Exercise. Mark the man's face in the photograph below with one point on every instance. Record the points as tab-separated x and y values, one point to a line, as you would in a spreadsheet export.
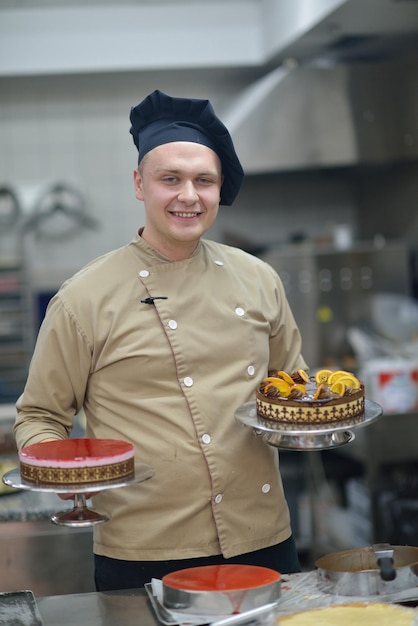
180	185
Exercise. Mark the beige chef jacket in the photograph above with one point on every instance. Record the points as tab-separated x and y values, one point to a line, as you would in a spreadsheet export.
168	376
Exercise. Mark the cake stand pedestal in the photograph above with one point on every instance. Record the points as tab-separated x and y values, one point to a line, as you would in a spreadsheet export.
307	436
80	515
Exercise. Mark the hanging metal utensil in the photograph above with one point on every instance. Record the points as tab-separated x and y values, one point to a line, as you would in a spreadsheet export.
59	213
10	210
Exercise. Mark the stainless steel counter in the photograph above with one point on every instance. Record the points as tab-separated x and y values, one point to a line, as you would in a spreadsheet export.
116	608
132	607
33	552
33	549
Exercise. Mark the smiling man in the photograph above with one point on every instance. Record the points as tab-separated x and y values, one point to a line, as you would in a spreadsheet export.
159	342
180	185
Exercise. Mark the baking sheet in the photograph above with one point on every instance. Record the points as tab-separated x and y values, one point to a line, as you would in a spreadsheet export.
19	608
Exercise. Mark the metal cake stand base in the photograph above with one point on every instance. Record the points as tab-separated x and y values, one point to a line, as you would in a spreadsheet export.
307	436
80	515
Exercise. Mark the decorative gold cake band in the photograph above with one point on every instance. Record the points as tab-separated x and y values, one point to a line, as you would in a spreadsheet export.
71	476
314	414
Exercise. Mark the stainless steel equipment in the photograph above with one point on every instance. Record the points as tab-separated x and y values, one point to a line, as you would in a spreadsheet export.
326	115
329	290
46	559
364	571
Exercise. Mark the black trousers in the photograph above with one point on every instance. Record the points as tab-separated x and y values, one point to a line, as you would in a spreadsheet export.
111	574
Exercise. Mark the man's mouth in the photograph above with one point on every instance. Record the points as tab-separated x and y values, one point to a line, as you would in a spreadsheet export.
185	215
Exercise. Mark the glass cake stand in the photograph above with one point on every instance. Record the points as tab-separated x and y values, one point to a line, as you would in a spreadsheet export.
80	515
307	436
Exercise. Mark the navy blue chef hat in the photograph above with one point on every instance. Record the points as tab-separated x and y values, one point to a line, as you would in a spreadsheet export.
160	119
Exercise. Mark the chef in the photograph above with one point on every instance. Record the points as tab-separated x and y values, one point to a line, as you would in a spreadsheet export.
159	342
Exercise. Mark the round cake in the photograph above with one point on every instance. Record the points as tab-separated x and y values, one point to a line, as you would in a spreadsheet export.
296	398
76	461
220	589
353	614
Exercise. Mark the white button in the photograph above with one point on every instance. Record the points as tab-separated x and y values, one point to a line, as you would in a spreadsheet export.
218	498
265	488
251	370
172	324
206	438
218	262
239	311
143	273
188	381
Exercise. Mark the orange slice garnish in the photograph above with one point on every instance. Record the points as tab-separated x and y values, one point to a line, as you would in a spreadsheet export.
304	375
285	377
300	388
278	383
322	376
350	381
347	377
318	392
335	376
297	391
339	388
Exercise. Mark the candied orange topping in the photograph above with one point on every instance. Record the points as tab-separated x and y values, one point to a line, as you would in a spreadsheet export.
322	376
279	384
318	392
339	388
285	377
304	375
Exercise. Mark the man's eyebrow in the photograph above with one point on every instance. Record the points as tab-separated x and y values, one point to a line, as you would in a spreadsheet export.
175	170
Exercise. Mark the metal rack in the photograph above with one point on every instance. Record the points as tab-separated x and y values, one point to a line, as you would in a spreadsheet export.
15	329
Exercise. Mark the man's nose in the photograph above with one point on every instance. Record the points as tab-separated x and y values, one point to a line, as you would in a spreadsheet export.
188	192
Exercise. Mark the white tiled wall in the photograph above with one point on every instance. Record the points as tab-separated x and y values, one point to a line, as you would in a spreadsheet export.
76	129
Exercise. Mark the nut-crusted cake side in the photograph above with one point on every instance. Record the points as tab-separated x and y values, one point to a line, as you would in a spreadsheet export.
301	399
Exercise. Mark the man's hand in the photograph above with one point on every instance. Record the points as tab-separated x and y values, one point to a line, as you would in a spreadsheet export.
70	496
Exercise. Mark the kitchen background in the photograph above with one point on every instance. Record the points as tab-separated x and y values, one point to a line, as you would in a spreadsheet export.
321	99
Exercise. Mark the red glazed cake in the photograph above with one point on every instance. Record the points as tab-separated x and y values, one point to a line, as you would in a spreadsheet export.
76	461
220	589
221	578
298	398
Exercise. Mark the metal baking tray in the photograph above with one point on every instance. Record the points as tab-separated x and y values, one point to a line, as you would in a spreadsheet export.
19	608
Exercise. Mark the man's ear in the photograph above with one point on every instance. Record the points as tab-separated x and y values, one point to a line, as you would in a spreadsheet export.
138	185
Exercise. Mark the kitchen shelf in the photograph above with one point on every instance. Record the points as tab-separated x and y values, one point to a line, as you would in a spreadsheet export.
16	334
